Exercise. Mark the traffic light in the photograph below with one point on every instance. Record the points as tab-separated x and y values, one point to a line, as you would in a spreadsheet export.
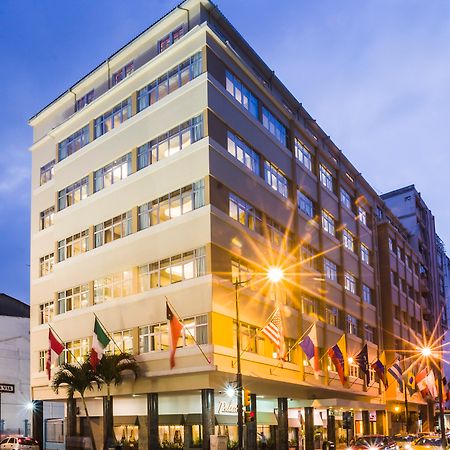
249	416
246	397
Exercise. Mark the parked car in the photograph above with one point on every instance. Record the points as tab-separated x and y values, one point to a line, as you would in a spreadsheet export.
18	443
404	441
373	442
429	442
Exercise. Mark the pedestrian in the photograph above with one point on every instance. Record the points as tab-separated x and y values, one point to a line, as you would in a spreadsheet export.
263	441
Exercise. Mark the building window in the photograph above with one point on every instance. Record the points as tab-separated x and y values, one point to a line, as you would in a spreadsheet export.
240	272
172	205
46	264
310	306
73	194
46	312
73	298
121	342
348	240
113	172
365	254
330	269
366	294
169	82
243	153
275	178
243	95
346	200
42	360
274	126
54	430
112	118
172	270
379	213
122	73
75	351
369	334
112	286
112	229
326	178
328	223
308	256
244	213
352	325
394	278
305	204
332	316
353	370
277	234
170	39
170	143
391	244
251	339
85	100
362	215
303	154
73	245
46	218
73	143
350	282
47	172
409	261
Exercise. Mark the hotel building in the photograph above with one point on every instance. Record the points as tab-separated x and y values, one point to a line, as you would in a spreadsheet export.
177	167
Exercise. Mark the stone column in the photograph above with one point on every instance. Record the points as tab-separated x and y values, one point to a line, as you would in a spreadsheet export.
365	422
208	417
152	421
309	428
108	423
331	427
283	443
38	422
251	426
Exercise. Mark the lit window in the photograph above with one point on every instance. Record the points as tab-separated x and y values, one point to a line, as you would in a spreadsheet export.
46	312
73	194
73	143
113	172
366	294
121	342
362	215
170	39
116	228
46	218
348	240
85	100
352	325
73	298
346	200
303	154
243	153
365	254
243	95
369	333
330	269
326	178
73	245
275	178
350	282
112	118
332	316
244	213
328	223
115	285
46	264
47	172
274	126
305	204
122	73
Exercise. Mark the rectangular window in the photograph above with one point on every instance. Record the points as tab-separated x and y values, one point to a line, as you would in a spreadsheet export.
85	100
243	153
117	285
409	261
350	282
73	246
112	118
332	316
352	325
251	339
170	39
275	178
73	143
303	154
122	341
169	82
42	360
46	312
122	73
46	218
274	126
243	95
277	234
365	254
112	229
171	205
353	370
112	172
305	204
369	333
75	351
362	215
47	172
391	244
308	256
244	213
346	200
73	298
348	240
330	269
394	278
46	264
328	223
73	194
366	294
54	430
326	178
170	143
241	272
310	306
172	270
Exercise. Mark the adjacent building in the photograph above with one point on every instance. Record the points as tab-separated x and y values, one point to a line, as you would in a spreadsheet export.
180	170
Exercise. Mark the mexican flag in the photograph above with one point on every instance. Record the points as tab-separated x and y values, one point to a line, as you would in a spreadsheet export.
100	340
55	348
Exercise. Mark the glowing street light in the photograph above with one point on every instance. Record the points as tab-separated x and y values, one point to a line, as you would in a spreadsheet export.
275	274
426	352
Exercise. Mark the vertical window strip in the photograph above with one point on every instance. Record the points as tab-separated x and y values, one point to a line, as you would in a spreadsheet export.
275	178
330	269
243	153
303	154
328	223
46	218
47	172
242	95
46	264
46	312
326	178
73	143
305	204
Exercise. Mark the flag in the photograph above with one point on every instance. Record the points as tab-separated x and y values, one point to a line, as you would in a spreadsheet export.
445	390
274	331
362	359
310	346
431	384
55	348
380	369
421	382
338	356
397	373
411	382
100	340
175	328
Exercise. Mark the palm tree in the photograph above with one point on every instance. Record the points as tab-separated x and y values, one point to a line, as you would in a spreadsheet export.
111	369
77	378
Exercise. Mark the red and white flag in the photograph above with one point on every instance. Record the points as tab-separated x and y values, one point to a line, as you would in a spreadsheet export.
421	382
55	348
175	328
274	331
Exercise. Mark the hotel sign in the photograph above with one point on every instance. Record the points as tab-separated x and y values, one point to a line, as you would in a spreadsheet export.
8	388
227	407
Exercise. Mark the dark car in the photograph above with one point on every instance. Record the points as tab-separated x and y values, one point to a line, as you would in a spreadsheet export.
373	442
404	441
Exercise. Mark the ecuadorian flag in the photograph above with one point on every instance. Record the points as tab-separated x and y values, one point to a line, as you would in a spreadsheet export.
338	355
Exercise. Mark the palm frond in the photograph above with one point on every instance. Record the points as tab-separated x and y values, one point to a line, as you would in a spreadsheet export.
75	378
112	367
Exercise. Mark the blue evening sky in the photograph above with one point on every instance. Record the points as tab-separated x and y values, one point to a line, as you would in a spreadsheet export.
375	74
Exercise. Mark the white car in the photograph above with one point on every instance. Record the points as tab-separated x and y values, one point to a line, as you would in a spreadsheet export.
19	443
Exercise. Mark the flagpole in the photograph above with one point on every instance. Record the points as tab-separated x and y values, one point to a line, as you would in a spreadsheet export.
406	400
65	346
187	329
108	333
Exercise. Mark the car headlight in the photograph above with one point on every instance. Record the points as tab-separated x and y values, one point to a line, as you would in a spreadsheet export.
407	447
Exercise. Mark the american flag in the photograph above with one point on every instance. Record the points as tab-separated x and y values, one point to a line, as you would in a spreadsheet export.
274	331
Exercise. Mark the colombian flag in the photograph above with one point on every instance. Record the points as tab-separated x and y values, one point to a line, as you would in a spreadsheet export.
338	355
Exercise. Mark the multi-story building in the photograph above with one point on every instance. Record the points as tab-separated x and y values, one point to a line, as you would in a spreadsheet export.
180	170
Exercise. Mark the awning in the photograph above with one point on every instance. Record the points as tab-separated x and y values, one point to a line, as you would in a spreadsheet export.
171	419
125	420
226	419
266	418
193	419
293	423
